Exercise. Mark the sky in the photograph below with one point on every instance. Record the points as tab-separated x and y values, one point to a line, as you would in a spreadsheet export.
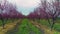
26	6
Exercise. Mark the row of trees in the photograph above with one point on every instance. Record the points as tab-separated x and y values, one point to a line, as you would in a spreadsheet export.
47	10
8	11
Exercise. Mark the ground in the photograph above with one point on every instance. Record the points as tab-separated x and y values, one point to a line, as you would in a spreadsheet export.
28	26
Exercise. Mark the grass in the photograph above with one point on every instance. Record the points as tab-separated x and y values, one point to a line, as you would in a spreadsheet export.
8	21
27	28
56	25
0	22
43	22
56	28
8	27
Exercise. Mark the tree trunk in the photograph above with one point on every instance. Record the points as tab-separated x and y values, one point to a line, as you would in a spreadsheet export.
3	23
48	20
52	25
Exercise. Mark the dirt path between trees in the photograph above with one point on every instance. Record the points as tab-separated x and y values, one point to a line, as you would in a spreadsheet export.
8	26
44	28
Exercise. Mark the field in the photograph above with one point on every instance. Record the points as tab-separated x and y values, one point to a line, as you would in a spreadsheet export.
28	26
